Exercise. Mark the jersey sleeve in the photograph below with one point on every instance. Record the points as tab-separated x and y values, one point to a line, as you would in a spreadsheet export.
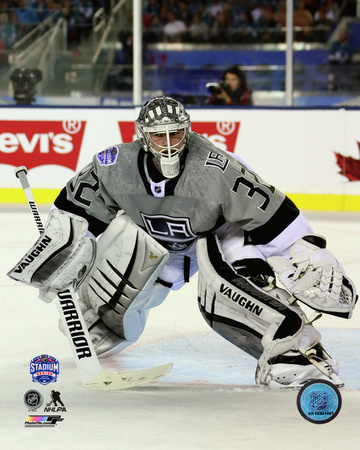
262	211
86	196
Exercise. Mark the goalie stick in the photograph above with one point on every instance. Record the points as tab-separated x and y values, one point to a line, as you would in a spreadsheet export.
91	373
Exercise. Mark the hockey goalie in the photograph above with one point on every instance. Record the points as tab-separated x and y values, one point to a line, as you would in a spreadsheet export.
143	217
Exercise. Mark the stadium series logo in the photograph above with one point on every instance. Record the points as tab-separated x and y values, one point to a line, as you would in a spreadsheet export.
108	157
319	401
44	369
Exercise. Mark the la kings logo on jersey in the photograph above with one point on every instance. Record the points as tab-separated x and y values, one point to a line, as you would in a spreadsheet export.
175	233
217	160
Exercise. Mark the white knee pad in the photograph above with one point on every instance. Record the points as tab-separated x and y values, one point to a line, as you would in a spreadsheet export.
106	342
122	279
135	317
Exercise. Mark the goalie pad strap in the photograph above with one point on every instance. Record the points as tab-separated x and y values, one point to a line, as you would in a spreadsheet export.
231	299
315	239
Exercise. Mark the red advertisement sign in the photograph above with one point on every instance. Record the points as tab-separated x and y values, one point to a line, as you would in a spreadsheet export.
350	167
36	143
222	134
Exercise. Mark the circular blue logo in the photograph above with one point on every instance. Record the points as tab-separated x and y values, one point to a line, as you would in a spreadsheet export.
319	401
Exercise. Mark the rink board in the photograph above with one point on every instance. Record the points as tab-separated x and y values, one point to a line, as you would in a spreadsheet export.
293	149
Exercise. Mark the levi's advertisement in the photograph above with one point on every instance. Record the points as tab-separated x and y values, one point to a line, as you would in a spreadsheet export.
320	157
36	143
222	134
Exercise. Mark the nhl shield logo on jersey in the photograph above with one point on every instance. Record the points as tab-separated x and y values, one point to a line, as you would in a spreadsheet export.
44	369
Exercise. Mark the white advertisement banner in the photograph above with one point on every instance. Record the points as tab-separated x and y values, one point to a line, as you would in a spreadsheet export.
299	151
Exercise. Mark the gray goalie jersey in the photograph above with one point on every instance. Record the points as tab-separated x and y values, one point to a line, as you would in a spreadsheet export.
213	187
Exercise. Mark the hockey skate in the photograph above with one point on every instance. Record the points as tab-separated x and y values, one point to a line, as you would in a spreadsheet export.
295	368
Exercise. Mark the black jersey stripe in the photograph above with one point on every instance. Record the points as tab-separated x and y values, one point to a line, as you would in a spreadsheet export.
96	226
141	162
283	217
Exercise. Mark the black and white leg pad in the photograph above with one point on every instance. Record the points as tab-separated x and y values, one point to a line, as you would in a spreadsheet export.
261	323
122	279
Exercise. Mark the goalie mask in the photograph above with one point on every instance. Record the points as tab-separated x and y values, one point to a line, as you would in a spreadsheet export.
163	128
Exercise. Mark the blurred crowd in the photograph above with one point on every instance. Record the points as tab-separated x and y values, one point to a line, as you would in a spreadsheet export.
193	21
18	17
237	21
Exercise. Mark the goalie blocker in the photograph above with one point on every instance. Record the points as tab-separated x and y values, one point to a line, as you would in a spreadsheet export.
62	256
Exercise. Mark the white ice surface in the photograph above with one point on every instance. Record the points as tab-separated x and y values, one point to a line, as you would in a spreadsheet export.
208	401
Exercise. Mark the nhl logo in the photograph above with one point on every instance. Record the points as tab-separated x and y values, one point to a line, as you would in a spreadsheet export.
44	369
33	399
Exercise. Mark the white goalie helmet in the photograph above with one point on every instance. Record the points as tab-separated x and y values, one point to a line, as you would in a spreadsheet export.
163	128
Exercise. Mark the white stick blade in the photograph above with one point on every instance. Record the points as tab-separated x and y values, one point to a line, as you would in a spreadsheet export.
111	381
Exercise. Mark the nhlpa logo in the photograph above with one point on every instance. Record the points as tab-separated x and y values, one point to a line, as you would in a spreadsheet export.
44	369
55	404
37	143
221	134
